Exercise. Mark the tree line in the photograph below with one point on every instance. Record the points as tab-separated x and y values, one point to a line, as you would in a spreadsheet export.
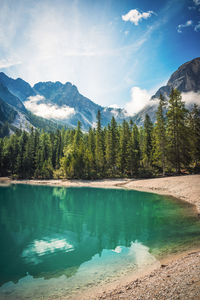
171	145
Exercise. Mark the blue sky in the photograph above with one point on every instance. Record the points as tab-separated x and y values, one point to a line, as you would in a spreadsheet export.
112	50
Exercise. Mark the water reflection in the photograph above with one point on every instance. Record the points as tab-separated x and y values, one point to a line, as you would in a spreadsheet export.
101	268
84	233
42	247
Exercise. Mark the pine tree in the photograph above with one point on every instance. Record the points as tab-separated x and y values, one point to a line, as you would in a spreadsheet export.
44	167
123	150
177	133
78	137
130	159
99	153
108	152
57	149
29	155
147	147
114	144
91	153
137	151
160	136
194	127
20	157
77	162
1	158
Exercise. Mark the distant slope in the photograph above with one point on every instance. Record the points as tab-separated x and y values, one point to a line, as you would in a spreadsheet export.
7	113
66	97
42	123
185	79
17	87
14	115
9	98
85	110
62	95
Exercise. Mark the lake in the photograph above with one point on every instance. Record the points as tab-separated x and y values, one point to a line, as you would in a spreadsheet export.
56	241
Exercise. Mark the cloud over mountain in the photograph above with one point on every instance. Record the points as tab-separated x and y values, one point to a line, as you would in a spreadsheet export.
139	98
46	110
191	98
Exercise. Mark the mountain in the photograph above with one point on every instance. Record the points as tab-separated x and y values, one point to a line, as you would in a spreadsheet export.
14	115
186	79
17	87
9	98
59	98
7	116
50	105
84	110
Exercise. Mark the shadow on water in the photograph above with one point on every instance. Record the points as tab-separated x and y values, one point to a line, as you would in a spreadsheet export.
53	231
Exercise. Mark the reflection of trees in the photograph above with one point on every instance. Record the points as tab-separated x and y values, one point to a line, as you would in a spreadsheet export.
90	219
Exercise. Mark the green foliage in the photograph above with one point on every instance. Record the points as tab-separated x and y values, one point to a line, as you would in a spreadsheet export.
159	139
194	128
177	132
148	142
42	123
117	150
99	151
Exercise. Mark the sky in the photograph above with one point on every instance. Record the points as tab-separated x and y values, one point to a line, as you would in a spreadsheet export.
114	51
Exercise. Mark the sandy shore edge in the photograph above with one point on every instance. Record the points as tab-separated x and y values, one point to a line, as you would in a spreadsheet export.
179	274
186	188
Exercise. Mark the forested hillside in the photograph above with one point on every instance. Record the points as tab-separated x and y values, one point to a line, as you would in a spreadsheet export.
172	145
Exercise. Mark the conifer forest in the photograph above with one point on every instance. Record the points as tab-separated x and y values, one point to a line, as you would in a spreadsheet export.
170	146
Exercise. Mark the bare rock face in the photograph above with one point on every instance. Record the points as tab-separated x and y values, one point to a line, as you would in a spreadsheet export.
185	79
18	87
16	91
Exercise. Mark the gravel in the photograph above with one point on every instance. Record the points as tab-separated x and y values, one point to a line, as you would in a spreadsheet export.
179	279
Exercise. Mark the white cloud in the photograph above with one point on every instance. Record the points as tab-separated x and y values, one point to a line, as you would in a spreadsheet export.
187	24
196	2
6	63
191	98
197	27
134	16
114	106
47	110
36	98
139	98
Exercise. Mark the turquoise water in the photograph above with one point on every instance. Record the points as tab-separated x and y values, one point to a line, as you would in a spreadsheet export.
58	240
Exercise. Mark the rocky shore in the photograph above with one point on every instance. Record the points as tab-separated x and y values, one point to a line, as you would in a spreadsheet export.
179	279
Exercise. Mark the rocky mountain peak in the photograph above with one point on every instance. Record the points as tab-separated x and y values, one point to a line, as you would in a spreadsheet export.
185	79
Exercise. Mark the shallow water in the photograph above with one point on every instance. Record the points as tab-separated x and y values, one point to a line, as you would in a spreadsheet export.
56	241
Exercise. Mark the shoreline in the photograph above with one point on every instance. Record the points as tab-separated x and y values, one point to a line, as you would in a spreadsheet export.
176	269
185	187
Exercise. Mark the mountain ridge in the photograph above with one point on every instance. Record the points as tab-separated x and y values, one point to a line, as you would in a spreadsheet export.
186	78
58	96
61	95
